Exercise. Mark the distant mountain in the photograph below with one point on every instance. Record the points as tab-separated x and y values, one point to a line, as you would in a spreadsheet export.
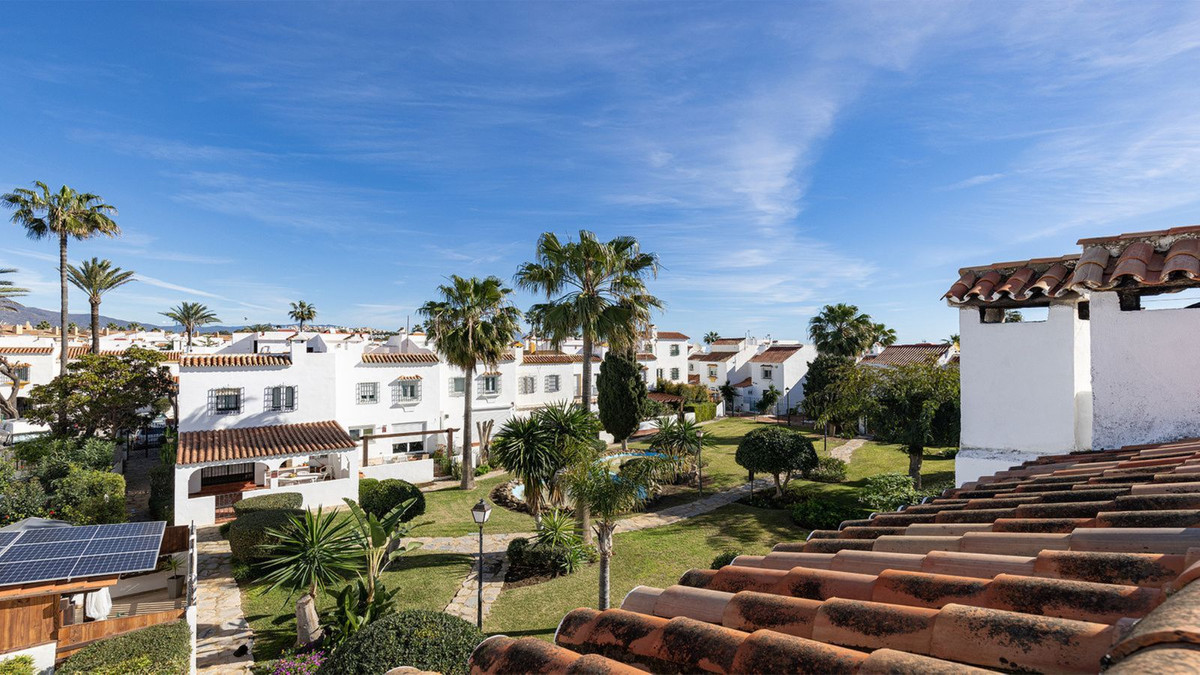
35	315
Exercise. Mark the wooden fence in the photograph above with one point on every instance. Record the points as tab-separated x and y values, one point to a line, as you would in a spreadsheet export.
77	636
175	540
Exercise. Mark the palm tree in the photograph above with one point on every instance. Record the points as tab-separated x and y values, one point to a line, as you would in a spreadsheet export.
134	326
883	335
677	438
379	540
65	214
44	325
608	497
473	322
312	552
594	289
258	328
97	277
952	340
190	315
523	448
711	337
1013	316
842	330
8	291
112	325
302	311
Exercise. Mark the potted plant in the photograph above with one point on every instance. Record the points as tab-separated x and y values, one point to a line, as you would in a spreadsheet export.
176	580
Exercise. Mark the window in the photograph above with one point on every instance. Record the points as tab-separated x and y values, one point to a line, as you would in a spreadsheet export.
358	432
767	373
491	385
458	386
712	371
368	392
409	446
528	384
674	373
551	384
691	367
658	374
406	391
225	401
280	399
674	350
578	386
22	373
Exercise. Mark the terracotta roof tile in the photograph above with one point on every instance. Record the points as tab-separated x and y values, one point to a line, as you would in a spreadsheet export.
671	335
234	360
26	351
646	356
899	355
748	382
76	352
556	357
694	379
713	357
196	447
728	341
663	397
1014	282
776	354
399	357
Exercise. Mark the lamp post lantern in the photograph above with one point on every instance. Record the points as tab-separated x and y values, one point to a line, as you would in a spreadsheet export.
788	405
700	461
480	514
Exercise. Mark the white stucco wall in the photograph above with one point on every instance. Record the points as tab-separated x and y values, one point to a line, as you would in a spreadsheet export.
1145	373
43	656
416	472
1023	390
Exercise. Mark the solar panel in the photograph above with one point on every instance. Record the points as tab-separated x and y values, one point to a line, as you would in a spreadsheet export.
112	564
46	534
130	530
7	538
37	570
122	545
46	551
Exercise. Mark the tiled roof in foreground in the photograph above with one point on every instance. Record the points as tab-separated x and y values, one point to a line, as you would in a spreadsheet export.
257	442
1069	563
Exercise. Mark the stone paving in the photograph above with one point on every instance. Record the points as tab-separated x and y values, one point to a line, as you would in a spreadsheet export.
221	627
846	450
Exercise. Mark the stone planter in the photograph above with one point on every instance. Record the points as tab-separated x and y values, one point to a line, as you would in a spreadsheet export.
175	586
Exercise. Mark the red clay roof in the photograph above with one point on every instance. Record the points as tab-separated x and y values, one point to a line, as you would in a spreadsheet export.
397	357
646	356
748	382
671	335
234	360
728	341
1136	259
694	379
26	350
712	356
556	357
1068	563
777	354
663	397
76	352
900	355
222	445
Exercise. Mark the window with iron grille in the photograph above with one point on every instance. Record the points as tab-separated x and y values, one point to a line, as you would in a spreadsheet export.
22	373
368	392
674	350
406	391
658	374
712	371
491	384
674	373
458	386
225	401
552	384
767	373
528	384
281	398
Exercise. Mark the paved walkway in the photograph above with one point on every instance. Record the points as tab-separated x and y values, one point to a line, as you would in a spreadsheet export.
221	628
846	450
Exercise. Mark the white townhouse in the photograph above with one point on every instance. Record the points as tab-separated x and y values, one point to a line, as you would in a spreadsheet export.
1110	359
783	367
670	350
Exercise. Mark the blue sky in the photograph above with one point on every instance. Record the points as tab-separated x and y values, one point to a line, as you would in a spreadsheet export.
776	156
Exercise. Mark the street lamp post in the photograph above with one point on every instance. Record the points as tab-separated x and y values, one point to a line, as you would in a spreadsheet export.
787	404
480	514
700	461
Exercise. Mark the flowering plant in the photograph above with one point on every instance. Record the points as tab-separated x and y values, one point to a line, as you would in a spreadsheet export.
299	664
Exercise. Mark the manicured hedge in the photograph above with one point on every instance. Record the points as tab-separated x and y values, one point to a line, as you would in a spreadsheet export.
271	502
381	496
704	411
422	639
164	649
248	534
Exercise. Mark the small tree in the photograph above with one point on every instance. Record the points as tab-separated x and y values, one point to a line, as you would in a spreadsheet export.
769	398
728	393
821	388
86	497
776	451
524	448
191	315
620	396
915	405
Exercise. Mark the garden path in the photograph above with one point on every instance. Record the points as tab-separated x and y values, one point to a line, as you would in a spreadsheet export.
846	450
221	626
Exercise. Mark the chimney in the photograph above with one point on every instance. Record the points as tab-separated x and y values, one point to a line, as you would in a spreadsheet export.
19	329
57	330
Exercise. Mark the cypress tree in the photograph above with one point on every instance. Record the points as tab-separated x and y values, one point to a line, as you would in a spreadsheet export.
620	396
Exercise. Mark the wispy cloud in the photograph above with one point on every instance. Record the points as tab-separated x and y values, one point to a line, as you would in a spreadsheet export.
974	181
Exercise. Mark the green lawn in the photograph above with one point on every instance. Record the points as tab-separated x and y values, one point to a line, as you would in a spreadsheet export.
448	513
424	581
873	459
655	557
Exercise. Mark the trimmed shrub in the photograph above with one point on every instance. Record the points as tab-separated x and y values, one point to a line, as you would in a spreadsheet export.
162	492
248	534
821	514
20	499
889	491
422	639
776	451
389	493
159	650
704	411
527	559
828	470
86	497
725	558
17	665
285	501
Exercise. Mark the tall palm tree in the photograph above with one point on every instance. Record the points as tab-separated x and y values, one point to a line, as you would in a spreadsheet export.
302	311
523	448
191	315
97	277
8	291
594	289
65	214
134	326
883	335
112	325
711	337
842	330
473	322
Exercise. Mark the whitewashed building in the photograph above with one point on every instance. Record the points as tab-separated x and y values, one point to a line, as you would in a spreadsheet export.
1109	360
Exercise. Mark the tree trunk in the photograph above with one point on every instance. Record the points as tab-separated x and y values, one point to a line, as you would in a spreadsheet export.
95	326
625	444
308	624
778	487
914	464
62	313
468	471
605	541
189	339
585	387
